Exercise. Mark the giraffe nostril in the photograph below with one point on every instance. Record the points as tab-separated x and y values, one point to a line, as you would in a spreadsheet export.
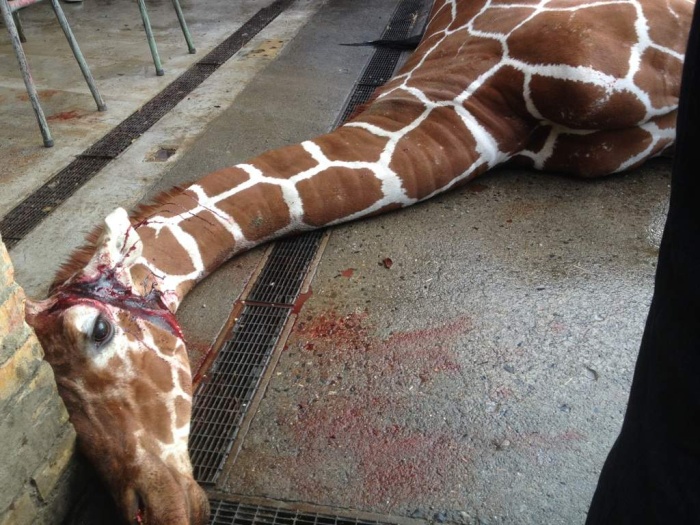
140	512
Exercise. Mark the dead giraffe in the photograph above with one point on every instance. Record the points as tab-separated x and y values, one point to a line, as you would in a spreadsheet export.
576	86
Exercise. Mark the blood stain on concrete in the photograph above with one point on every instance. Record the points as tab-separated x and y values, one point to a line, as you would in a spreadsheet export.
301	299
65	115
360	414
44	94
197	352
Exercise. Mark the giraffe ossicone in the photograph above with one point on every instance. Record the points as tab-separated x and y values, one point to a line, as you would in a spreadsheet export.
584	87
118	248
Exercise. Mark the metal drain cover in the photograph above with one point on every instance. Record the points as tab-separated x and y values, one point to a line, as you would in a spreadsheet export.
233	513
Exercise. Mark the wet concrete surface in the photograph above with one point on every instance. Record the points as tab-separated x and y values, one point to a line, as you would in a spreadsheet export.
482	377
466	360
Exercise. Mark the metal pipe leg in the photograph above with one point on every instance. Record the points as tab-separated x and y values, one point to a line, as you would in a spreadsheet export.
183	25
78	55
149	36
26	74
20	29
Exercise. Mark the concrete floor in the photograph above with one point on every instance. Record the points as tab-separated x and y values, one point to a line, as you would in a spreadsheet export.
480	379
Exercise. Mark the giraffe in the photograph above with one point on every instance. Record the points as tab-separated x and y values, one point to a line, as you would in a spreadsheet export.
584	87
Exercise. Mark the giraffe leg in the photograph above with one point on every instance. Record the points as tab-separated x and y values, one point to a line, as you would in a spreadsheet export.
652	474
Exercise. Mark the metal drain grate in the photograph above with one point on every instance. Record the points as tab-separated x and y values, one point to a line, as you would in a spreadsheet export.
29	213
223	396
233	513
23	218
383	62
281	279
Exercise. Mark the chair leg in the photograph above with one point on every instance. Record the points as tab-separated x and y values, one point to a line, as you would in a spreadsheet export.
183	25
78	55
26	74
18	24
151	39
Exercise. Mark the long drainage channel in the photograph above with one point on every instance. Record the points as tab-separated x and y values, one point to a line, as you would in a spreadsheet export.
27	215
228	394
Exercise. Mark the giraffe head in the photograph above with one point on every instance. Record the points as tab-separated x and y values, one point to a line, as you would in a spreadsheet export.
122	370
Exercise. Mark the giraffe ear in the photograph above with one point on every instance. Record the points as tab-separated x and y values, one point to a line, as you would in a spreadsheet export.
118	248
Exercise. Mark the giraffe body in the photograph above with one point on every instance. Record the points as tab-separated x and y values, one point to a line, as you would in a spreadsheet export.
583	87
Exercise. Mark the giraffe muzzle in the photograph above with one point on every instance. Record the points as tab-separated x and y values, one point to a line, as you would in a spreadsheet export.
162	496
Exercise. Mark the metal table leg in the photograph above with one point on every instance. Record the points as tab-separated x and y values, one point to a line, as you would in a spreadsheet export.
26	74
183	25
78	55
149	36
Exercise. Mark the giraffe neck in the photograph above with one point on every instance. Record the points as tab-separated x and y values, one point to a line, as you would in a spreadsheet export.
481	89
388	158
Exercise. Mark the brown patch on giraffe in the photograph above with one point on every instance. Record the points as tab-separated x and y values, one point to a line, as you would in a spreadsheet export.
499	105
577	105
429	157
466	12
285	162
391	113
183	411
598	153
143	278
510	2
156	369
337	193
659	75
676	16
503	21
185	381
352	144
222	180
259	210
210	235
569	38
167	343
459	64
180	205
165	251
150	411
130	326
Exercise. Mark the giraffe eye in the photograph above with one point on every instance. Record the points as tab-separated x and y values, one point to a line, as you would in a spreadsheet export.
101	331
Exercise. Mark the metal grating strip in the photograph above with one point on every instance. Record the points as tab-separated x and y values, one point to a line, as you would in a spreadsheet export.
231	45
26	216
281	279
29	213
223	395
222	398
136	124
234	513
383	62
